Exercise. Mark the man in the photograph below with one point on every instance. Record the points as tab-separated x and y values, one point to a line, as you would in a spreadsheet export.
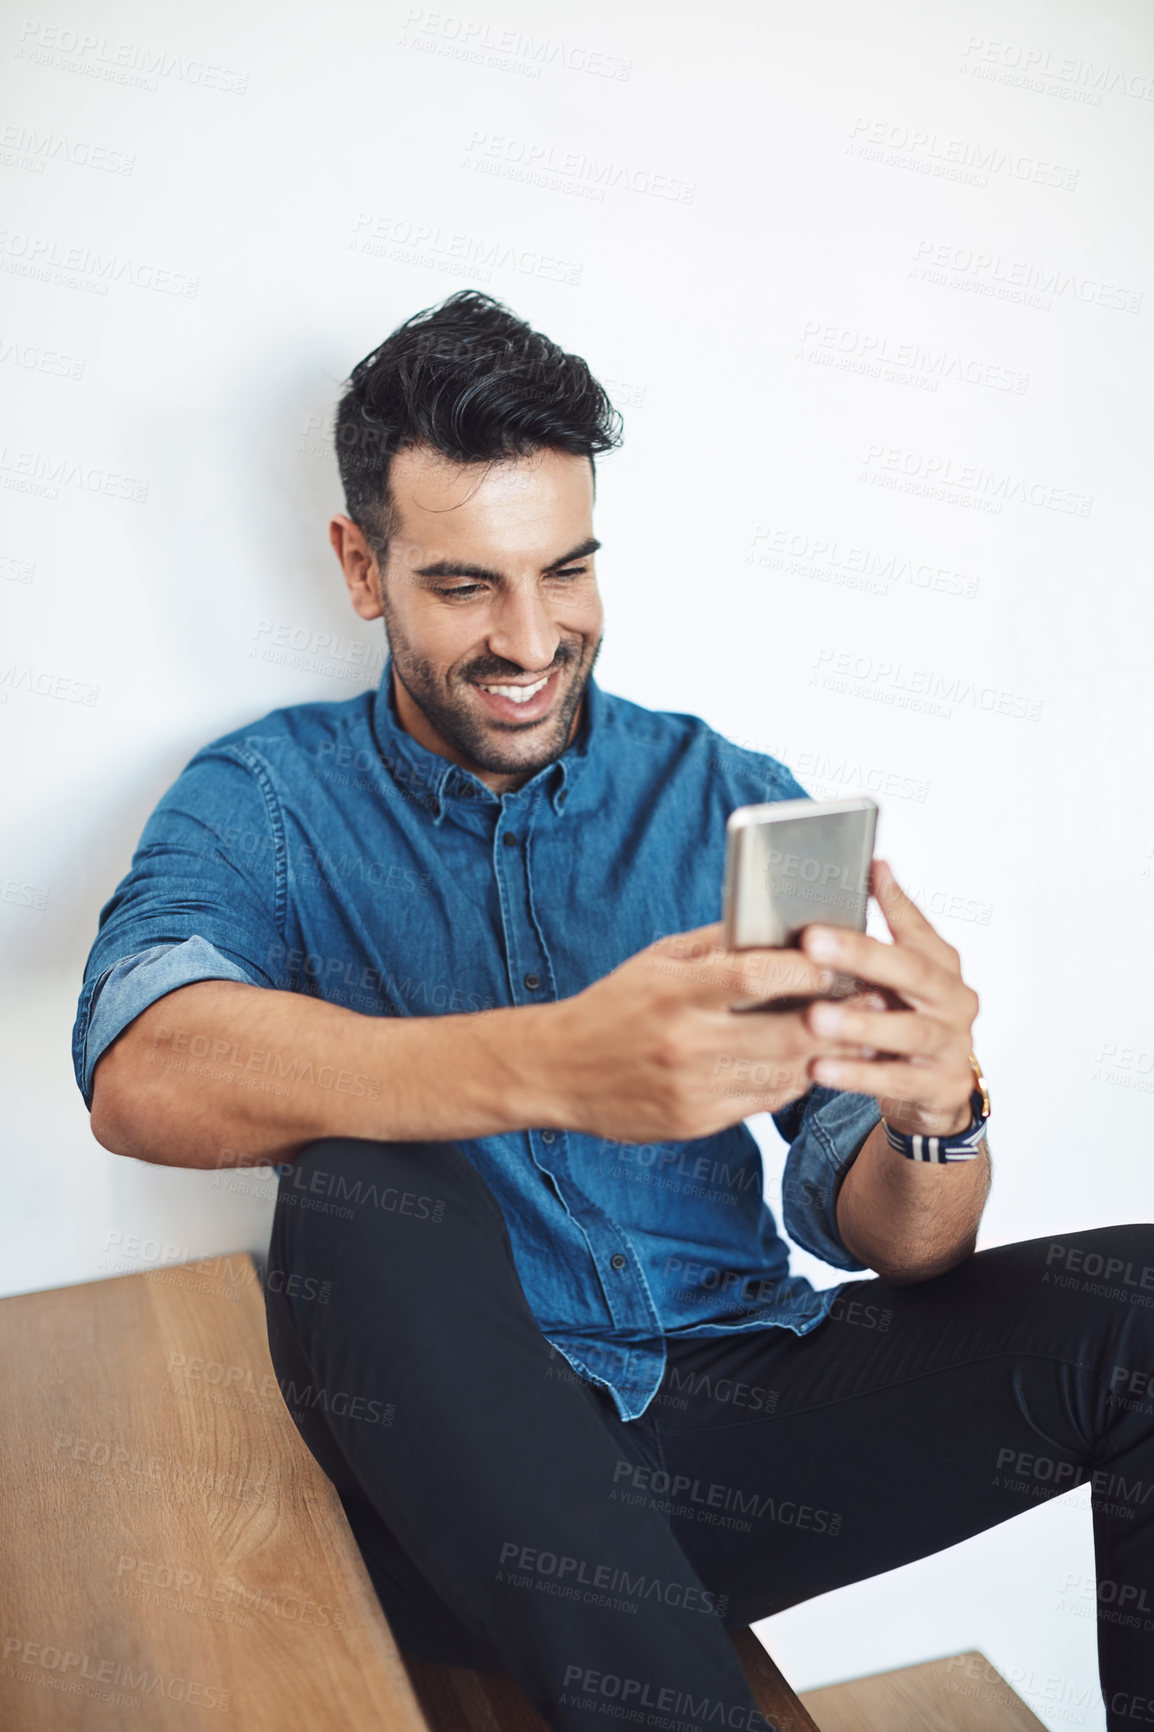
448	953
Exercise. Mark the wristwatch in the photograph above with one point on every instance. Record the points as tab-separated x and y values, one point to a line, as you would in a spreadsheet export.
962	1145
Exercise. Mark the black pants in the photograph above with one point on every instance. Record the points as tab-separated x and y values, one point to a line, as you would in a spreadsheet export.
509	1519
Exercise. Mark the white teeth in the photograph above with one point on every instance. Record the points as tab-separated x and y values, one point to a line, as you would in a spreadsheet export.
518	694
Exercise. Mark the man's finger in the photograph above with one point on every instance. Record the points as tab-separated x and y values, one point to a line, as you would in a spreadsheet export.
723	977
890	1031
785	1039
911	973
698	942
896	1079
716	978
907	924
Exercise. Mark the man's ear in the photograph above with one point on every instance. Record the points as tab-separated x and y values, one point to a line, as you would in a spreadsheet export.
358	562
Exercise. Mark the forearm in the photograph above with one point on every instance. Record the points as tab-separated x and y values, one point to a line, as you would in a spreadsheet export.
223	1074
906	1219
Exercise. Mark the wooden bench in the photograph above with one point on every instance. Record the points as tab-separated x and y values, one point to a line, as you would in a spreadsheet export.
174	1558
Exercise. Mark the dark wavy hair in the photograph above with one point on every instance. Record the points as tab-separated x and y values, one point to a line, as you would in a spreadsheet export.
474	382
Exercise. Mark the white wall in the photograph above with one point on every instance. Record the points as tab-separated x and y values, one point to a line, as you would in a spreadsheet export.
871	285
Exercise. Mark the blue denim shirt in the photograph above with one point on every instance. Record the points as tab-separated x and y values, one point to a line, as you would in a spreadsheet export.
322	850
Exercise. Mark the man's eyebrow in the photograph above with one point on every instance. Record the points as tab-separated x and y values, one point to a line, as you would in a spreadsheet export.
463	568
581	551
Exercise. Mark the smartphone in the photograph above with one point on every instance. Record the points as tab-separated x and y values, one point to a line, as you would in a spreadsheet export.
793	863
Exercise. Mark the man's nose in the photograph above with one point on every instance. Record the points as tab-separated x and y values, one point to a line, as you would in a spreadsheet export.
523	630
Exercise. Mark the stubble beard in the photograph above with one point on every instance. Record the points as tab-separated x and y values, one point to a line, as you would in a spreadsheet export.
501	748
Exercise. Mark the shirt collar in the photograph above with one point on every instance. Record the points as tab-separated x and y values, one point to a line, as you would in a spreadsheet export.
435	783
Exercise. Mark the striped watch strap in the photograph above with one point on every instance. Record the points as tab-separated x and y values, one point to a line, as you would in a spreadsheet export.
963	1146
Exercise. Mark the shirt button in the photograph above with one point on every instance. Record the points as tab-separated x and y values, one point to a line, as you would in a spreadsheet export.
617	1261
509	839
548	1137
532	981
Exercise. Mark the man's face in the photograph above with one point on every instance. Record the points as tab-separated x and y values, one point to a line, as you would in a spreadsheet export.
491	606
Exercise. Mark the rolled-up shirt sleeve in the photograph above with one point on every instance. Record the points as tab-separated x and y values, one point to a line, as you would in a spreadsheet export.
825	1128
135	982
203	899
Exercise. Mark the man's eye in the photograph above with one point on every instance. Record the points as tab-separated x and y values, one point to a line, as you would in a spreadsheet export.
463	591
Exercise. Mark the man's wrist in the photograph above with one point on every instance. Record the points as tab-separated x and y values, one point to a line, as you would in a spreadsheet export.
962	1120
520	1066
918	1124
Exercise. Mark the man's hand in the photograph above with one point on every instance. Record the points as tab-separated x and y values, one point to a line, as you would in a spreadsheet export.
919	1067
654	1052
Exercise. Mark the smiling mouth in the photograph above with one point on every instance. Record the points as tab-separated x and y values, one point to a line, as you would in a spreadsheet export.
519	702
517	694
